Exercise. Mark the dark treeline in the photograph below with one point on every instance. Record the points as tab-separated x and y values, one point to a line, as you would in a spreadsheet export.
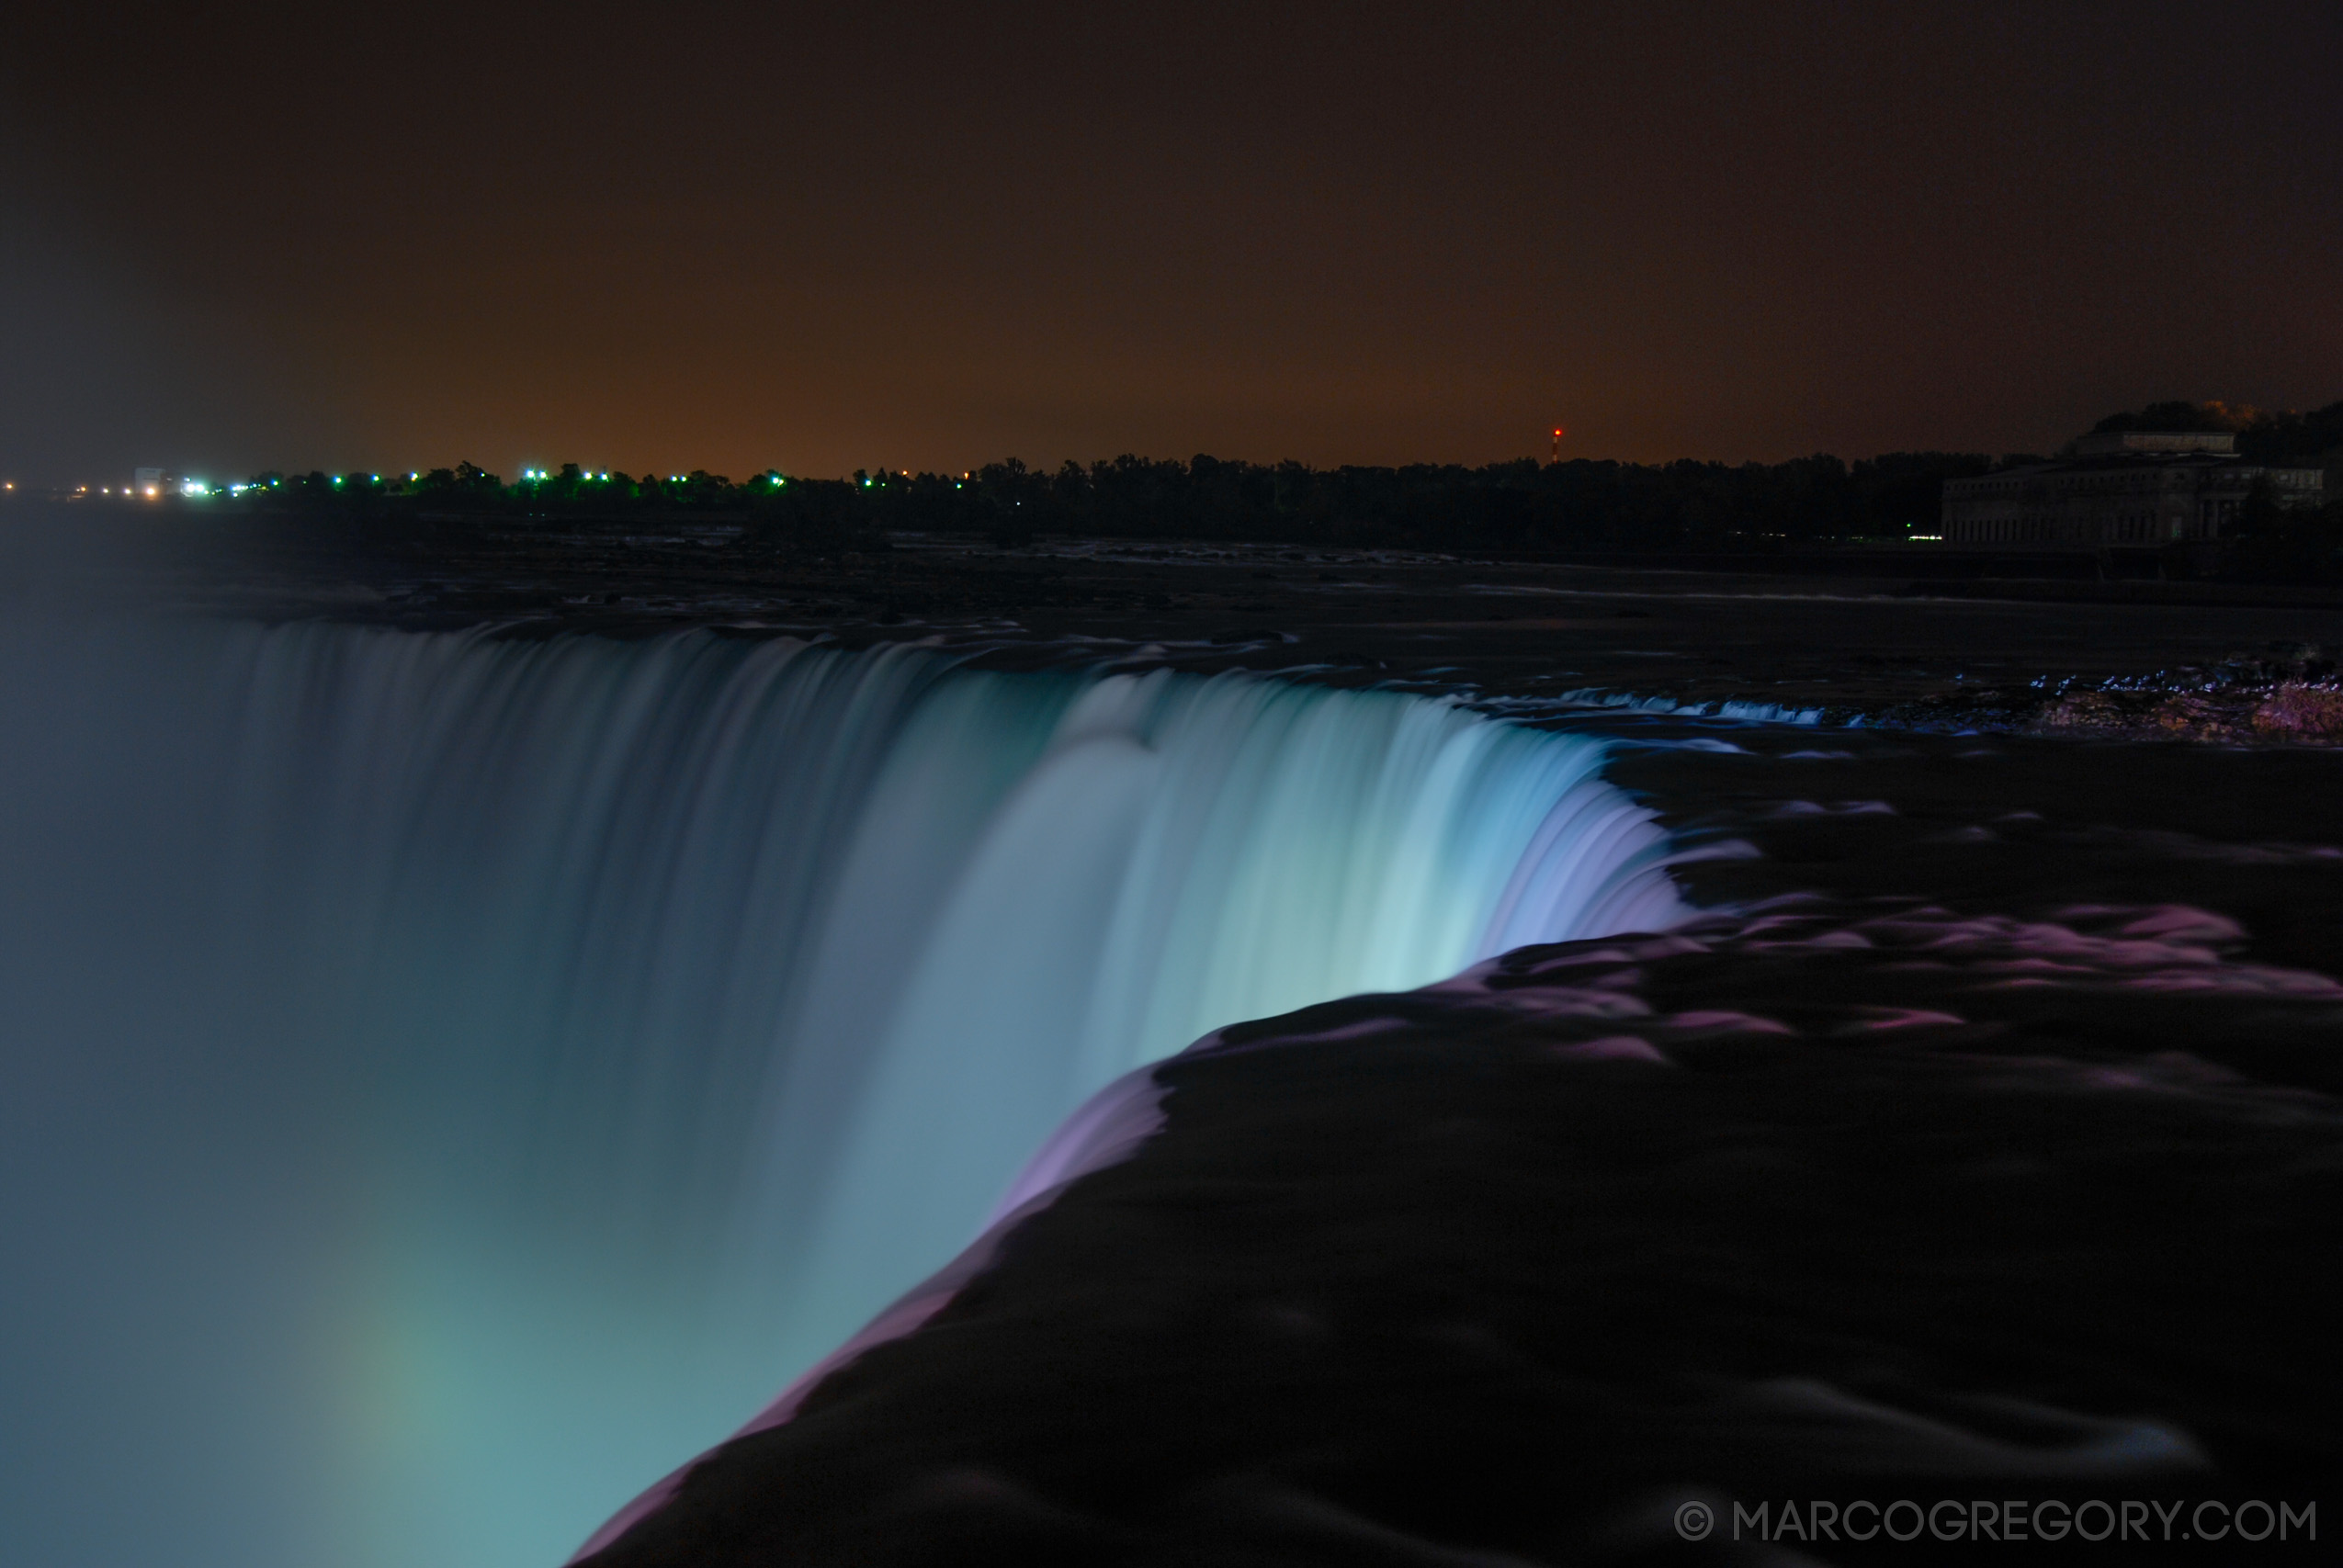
1515	507
1524	508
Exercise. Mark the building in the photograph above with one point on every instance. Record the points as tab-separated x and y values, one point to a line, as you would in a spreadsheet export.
2136	489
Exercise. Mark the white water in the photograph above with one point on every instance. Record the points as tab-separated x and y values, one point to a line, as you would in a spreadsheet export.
445	1083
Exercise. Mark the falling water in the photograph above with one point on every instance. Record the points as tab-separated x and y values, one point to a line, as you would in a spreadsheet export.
445	1081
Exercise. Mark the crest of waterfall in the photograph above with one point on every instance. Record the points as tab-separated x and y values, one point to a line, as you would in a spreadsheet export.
445	1081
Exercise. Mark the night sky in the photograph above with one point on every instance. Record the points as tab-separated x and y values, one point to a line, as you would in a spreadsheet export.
236	236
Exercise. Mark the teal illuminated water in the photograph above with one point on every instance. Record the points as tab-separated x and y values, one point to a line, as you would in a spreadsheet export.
445	1082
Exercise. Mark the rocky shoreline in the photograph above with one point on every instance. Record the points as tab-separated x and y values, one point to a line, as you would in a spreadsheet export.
2291	699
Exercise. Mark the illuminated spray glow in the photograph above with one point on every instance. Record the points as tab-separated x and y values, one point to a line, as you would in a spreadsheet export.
462	1078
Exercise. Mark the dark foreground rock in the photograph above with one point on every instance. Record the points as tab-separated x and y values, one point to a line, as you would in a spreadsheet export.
1832	1204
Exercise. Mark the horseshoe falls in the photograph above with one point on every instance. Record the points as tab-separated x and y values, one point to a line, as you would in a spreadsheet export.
446	1082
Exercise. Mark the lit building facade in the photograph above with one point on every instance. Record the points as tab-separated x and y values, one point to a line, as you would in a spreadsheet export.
2134	489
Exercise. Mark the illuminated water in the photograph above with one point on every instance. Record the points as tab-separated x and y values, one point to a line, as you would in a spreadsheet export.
445	1082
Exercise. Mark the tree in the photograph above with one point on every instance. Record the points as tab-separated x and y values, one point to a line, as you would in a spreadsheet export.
2267	542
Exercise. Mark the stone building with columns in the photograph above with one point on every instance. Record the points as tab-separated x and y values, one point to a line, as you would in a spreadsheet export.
2135	489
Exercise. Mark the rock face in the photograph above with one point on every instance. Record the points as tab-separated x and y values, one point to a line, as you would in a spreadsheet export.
1826	1205
2299	710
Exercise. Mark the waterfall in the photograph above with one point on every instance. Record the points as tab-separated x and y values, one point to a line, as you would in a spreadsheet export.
445	1081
